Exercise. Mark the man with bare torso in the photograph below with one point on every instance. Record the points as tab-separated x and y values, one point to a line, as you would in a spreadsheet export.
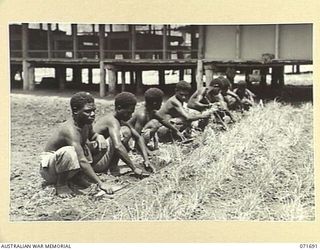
67	154
150	114
245	95
232	99
174	111
117	131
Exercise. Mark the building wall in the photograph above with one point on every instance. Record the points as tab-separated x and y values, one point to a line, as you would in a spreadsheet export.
295	41
256	40
220	42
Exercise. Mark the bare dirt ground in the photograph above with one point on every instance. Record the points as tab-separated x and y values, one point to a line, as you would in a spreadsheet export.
260	169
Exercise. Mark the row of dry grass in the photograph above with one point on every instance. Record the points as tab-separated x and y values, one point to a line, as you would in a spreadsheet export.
261	169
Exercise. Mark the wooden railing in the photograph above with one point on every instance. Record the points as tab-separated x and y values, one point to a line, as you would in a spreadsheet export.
108	54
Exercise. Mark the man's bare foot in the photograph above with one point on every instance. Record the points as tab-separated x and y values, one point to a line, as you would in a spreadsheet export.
64	191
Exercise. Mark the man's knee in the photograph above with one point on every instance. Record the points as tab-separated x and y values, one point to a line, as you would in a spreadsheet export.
66	153
66	159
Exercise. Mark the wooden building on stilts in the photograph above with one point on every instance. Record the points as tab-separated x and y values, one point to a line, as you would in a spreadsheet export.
122	53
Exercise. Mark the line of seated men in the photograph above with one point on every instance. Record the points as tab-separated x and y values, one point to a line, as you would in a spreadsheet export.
82	147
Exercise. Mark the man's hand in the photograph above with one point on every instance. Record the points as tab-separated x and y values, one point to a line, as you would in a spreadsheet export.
106	188
101	142
141	173
148	166
181	136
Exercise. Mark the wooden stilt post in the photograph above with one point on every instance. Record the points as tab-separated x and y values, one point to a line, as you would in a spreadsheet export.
49	41
132	29
76	75
112	79
25	64
31	77
248	71
181	74
162	79
90	76
132	79
274	79
231	73
13	72
123	81
193	42
164	42
102	87
139	87
277	41
277	76
199	75
61	76
74	40
201	41
193	79
209	73
25	70
263	73
281	76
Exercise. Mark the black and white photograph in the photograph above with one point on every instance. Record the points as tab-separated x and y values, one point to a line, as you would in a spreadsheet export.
161	122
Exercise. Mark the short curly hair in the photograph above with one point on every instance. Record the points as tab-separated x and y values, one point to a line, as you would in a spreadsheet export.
125	99
183	85
80	99
153	95
225	83
242	84
215	82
